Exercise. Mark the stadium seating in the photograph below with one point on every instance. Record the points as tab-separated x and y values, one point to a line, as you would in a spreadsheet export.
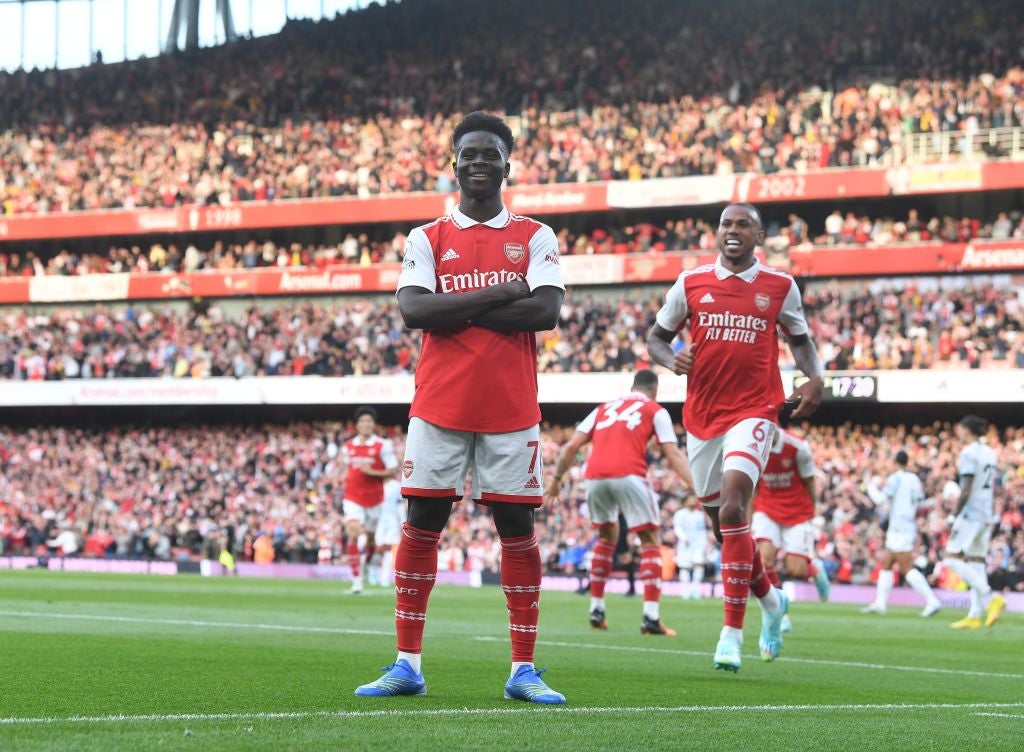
163	492
299	114
857	327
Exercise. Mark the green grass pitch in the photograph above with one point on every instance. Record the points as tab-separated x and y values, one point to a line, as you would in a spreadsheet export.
109	662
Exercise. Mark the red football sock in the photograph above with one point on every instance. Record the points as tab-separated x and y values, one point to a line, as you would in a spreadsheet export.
737	563
812	570
520	579
761	577
650	571
415	573
371	549
601	567
353	556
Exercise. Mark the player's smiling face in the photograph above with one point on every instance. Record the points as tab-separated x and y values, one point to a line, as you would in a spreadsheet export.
739	233
481	164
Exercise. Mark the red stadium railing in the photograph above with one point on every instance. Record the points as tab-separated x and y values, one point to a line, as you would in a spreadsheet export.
539	200
602	269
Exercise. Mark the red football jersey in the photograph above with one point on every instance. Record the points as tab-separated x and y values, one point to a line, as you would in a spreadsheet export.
376	454
620	431
476	379
733	320
781	493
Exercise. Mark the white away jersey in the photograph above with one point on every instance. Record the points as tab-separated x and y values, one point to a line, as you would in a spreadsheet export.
904	490
689	525
979	461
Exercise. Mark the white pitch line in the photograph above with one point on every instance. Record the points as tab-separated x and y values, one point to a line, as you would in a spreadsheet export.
197	623
1002	715
348	714
813	661
549	643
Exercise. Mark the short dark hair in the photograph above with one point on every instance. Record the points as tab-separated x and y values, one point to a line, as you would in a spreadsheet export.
646	379
975	424
902	458
484	121
750	208
366	410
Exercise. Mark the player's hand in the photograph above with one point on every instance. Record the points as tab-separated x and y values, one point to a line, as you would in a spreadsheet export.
683	363
553	491
808	397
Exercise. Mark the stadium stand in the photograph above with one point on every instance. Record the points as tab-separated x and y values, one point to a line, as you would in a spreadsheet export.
166	494
304	115
858	327
640	237
298	115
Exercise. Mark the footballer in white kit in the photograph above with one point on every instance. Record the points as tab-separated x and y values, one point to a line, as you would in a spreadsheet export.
905	495
972	527
691	529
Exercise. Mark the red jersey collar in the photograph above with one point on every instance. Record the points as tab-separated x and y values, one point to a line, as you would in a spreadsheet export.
747	275
497	222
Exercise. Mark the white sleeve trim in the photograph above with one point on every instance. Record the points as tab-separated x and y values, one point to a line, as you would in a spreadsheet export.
544	269
674	312
663	428
791	316
418	268
805	461
587	424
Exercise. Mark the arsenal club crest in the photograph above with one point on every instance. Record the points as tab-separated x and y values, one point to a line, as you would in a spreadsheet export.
760	300
407	468
787	463
514	252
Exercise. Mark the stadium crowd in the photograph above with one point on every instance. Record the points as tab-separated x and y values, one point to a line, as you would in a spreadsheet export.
303	113
857	326
685	234
171	493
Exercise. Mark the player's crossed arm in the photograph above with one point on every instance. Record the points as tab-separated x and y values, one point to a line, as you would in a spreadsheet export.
447	311
536	313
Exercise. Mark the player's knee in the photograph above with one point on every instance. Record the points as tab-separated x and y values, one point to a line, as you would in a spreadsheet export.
512	520
608	533
648	537
733	509
429	514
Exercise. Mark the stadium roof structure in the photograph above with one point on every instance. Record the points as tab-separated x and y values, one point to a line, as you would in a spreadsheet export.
74	33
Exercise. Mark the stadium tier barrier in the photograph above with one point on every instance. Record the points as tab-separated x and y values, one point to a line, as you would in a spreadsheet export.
540	200
599	269
853	594
909	386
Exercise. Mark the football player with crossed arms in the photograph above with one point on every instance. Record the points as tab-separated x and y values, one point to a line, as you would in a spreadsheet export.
735	308
480	282
616	476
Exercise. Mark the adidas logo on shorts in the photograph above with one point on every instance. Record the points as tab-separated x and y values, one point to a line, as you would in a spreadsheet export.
532	482
450	255
708	298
